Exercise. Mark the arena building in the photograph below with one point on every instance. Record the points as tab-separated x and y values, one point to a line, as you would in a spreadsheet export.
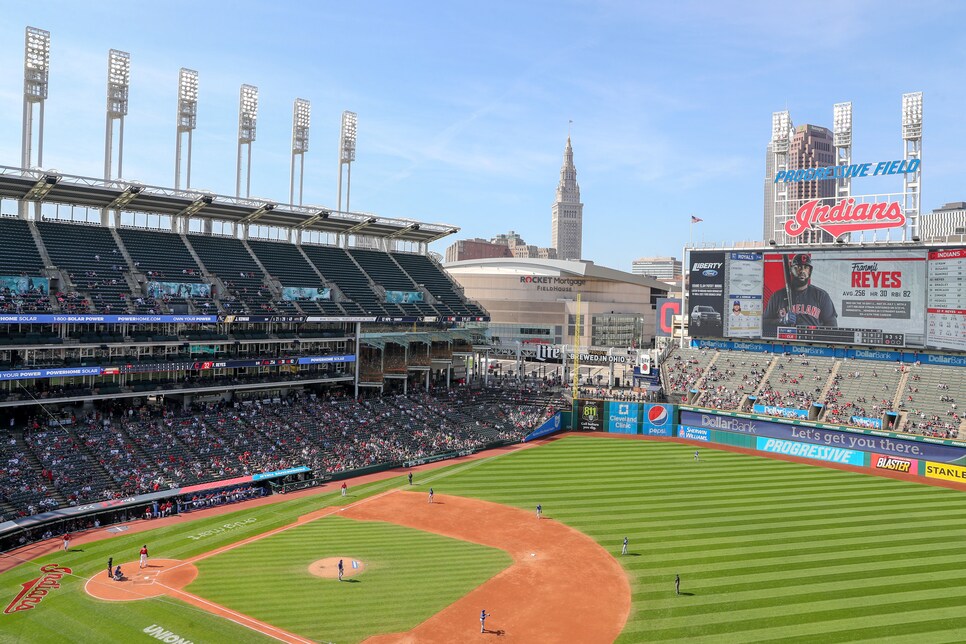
535	300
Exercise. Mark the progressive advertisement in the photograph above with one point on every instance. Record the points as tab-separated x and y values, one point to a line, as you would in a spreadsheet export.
706	277
744	273
864	297
883	445
946	308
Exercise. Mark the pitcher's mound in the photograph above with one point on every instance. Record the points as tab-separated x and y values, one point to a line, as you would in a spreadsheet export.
160	576
328	568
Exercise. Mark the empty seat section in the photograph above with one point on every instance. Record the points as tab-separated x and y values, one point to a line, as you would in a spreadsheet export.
93	262
336	265
285	263
227	258
163	257
386	273
429	274
20	258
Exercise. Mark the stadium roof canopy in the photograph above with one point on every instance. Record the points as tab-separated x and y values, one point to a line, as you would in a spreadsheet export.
130	196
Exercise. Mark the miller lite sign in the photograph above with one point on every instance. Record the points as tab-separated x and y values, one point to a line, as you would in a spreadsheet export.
845	217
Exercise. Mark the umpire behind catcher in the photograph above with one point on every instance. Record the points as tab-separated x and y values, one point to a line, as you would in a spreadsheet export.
809	306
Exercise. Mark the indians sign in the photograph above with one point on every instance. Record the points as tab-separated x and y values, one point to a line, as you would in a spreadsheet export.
845	217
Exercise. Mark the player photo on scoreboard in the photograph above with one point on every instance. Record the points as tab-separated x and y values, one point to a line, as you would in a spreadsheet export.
880	290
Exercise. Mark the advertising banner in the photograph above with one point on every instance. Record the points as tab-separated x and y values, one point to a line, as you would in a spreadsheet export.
590	415
783	412
946	472
550	426
858	441
694	433
870	423
666	309
291	293
744	273
403	297
658	420
622	417
279	473
946	308
19	284
706	277
807	450
856	297
894	464
184	290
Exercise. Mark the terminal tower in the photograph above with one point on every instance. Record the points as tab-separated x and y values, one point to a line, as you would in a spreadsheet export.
568	213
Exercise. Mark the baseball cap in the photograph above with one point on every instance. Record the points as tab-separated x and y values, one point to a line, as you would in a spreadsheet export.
802	259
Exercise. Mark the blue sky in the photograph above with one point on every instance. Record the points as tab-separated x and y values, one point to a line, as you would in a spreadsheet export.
464	108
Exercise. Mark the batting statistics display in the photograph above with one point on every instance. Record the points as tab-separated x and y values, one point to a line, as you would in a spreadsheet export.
861	296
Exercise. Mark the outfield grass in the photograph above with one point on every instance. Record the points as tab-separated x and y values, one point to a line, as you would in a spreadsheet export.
767	551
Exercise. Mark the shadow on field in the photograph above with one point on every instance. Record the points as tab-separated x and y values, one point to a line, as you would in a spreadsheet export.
687	594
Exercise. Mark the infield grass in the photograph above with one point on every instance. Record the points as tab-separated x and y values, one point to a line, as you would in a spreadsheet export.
767	550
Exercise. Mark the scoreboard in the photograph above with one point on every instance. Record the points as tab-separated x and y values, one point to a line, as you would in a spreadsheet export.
839	335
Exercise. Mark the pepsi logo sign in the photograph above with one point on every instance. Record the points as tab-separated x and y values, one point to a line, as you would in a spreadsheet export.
657	415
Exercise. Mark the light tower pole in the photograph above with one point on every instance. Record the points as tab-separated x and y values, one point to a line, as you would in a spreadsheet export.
118	83
36	72
247	116
347	153
842	142
912	141
781	127
301	118
187	120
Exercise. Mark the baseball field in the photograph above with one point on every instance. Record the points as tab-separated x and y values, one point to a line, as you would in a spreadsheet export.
766	550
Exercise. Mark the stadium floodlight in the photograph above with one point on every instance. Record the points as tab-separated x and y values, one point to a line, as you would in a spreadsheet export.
247	118
301	118
36	73
347	152
781	125
187	120
43	186
842	124
912	142
118	85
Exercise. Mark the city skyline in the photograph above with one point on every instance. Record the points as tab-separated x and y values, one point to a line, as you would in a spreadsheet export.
461	116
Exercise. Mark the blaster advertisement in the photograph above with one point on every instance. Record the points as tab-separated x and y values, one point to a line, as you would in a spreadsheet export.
880	291
706	279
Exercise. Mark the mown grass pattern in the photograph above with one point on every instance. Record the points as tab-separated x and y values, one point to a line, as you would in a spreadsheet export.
767	551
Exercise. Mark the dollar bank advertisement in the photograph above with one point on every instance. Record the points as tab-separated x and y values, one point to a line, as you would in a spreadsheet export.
865	289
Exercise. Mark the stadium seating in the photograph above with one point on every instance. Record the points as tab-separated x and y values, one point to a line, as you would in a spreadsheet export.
386	273
95	267
683	369
21	258
285	263
450	300
337	266
732	377
932	398
861	388
230	261
796	382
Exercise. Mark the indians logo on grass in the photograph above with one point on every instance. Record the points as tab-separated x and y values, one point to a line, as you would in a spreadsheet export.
36	589
657	415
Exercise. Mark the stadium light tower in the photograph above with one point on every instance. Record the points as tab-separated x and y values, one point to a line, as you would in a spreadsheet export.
36	72
301	117
912	140
247	116
781	129
347	153
842	140
118	83
187	119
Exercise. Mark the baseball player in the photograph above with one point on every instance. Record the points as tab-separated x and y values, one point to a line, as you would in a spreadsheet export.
110	567
624	547
483	616
344	488
144	556
697	455
539	510
430	495
341	570
809	305
66	541
677	584
410	478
